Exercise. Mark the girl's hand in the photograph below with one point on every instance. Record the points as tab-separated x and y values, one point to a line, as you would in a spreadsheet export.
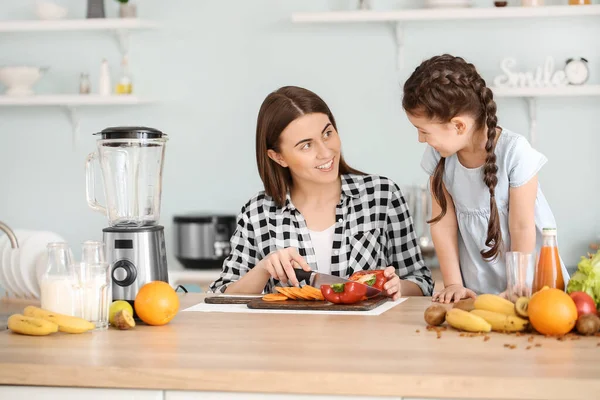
453	293
392	287
279	265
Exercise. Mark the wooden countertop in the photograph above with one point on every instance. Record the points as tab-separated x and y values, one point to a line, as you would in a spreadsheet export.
390	354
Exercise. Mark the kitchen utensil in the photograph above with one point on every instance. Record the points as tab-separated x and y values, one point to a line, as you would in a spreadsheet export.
19	80
202	240
131	160
520	270
132	164
316	279
364	305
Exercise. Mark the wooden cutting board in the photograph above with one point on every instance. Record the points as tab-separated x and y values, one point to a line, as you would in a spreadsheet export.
365	305
220	299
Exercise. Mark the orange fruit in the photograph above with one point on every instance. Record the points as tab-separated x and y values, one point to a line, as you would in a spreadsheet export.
552	312
156	303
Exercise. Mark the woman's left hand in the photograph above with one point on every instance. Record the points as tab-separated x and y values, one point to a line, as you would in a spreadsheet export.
392	286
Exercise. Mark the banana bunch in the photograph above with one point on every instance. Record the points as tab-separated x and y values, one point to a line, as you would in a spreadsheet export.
39	322
491	313
31	326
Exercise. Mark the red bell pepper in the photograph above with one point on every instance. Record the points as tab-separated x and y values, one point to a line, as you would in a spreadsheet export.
344	293
372	278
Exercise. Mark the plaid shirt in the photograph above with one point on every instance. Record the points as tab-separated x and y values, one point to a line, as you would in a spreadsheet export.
374	230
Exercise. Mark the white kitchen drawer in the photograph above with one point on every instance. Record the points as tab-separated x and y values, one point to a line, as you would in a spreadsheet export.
59	393
181	395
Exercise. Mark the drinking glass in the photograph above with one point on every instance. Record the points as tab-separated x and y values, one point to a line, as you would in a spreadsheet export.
93	281
520	271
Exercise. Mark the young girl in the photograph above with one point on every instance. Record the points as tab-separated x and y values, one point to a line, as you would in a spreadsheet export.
316	212
486	197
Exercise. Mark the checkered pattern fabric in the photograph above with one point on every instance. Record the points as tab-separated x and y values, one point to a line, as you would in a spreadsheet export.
373	230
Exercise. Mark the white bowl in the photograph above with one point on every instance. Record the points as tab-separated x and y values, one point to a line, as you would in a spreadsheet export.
19	80
49	11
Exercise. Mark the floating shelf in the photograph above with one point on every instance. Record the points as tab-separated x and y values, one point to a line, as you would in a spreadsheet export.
92	24
563	91
437	14
531	94
398	18
70	103
120	27
72	100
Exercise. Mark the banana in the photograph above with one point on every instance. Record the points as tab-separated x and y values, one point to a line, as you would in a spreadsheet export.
31	326
65	323
465	321
502	322
492	302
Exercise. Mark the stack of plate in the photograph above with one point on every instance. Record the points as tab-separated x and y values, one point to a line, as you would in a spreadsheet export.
22	268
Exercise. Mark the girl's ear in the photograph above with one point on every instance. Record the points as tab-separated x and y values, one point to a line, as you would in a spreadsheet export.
275	156
461	124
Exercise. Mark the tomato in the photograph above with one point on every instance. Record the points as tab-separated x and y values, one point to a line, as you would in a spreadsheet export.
584	302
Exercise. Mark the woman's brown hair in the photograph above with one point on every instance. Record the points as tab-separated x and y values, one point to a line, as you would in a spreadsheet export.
440	89
277	111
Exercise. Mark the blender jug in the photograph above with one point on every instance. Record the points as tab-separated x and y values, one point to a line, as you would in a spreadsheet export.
131	160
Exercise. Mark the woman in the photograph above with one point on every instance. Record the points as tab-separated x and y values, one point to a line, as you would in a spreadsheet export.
316	212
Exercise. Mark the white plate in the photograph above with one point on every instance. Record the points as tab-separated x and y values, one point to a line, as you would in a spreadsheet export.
33	253
11	287
19	287
3	280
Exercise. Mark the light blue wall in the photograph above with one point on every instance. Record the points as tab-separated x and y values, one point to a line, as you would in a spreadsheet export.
214	62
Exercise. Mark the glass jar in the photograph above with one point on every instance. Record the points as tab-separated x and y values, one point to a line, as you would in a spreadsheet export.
548	271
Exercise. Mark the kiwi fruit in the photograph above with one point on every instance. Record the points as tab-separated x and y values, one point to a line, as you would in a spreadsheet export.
124	320
465	304
588	324
435	315
521	307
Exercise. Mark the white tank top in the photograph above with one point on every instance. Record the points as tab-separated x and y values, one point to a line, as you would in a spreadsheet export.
323	245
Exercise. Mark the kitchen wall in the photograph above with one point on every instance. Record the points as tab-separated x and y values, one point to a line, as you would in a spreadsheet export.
213	63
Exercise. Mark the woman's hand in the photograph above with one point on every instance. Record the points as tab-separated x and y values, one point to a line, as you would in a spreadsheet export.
392	287
279	265
453	293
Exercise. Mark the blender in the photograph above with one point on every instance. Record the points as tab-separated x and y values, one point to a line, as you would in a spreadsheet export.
131	162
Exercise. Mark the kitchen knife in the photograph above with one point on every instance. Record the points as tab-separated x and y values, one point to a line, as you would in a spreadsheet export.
316	279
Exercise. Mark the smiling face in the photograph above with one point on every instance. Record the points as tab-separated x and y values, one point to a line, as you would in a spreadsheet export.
310	147
446	138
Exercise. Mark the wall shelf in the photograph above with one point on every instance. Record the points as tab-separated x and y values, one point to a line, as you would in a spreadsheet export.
92	24
119	27
72	100
70	103
531	94
399	18
437	14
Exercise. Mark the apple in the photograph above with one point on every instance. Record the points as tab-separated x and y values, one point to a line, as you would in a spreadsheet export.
584	302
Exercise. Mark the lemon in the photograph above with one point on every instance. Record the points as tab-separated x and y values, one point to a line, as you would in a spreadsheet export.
117	306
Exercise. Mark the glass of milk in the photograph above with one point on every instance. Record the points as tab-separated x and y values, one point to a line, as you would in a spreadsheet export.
92	283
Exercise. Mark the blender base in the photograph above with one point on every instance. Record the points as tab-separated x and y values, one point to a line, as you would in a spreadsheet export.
137	256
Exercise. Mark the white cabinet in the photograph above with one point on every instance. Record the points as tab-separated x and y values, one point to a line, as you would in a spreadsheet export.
180	395
56	393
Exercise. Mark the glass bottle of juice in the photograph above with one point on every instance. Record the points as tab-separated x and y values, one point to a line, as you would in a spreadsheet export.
548	271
